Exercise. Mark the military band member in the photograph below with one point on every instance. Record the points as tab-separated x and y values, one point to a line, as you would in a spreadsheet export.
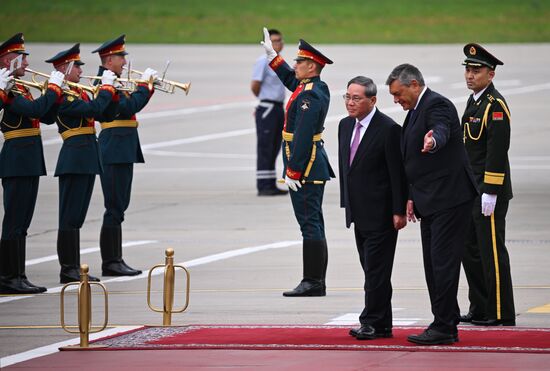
79	160
120	149
486	124
21	165
306	165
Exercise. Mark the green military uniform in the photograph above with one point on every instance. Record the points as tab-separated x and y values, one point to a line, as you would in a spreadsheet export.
77	164
305	159
21	166
486	124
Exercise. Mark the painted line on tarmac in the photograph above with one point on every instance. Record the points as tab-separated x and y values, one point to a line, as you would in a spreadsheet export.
86	251
351	319
54	348
187	264
199	154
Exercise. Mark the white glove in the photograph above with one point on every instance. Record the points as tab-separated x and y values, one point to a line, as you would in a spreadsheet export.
488	203
56	78
292	183
108	77
4	78
271	53
148	73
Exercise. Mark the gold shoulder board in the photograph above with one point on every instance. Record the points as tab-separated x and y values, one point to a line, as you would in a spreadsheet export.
309	86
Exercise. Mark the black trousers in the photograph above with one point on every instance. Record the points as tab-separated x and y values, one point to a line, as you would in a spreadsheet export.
307	203
376	253
487	264
19	201
443	235
116	183
75	192
269	126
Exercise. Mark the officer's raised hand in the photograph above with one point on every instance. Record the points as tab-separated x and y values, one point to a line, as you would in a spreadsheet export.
293	184
268	46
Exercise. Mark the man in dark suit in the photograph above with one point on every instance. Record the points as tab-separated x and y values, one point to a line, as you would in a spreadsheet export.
441	193
373	190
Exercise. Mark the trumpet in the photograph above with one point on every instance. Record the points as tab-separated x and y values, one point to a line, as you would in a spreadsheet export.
125	85
166	86
42	87
92	90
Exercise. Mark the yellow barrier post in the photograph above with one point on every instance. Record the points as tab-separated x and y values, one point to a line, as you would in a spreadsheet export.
84	308
168	289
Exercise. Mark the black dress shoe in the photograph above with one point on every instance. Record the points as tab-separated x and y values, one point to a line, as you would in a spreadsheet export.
307	288
17	286
73	275
433	337
469	317
367	332
118	268
272	192
494	322
26	281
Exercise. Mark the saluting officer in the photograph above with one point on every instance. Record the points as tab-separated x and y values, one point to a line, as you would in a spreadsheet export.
486	124
79	160
306	165
21	165
120	149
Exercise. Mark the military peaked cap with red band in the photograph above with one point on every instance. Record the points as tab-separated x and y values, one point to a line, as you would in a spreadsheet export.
15	44
66	56
306	51
477	56
112	47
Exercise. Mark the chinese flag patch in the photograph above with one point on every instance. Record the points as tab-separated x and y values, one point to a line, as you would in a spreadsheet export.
498	116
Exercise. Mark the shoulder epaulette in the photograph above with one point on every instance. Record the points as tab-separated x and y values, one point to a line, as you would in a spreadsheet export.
309	86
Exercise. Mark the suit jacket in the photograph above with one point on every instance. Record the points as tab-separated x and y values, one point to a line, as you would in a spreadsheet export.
443	178
373	188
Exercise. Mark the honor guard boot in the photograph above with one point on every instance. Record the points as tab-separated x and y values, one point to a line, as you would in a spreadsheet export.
68	252
10	270
110	242
314	266
23	276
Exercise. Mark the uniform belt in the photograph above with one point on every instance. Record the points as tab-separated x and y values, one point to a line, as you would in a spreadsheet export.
77	131
119	124
20	133
287	137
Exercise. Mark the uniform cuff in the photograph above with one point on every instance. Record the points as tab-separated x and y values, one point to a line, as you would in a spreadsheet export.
3	96
276	62
56	89
296	175
110	88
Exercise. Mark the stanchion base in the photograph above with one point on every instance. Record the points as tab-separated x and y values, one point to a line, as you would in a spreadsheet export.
78	347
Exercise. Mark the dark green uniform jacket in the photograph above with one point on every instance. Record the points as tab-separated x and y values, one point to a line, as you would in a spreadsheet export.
486	125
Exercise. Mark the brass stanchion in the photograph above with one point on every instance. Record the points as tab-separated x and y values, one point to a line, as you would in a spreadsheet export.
168	290
84	308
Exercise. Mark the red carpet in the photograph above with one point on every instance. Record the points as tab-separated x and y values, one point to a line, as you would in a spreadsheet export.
472	339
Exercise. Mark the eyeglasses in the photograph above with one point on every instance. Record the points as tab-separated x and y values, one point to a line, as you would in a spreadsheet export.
277	40
354	99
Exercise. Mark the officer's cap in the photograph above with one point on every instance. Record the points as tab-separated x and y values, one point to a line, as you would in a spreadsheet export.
66	56
112	47
15	44
306	51
477	56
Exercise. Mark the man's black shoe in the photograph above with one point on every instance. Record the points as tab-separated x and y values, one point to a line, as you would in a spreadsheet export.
433	337
73	275
272	192
494	322
118	268
469	317
367	332
307	288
